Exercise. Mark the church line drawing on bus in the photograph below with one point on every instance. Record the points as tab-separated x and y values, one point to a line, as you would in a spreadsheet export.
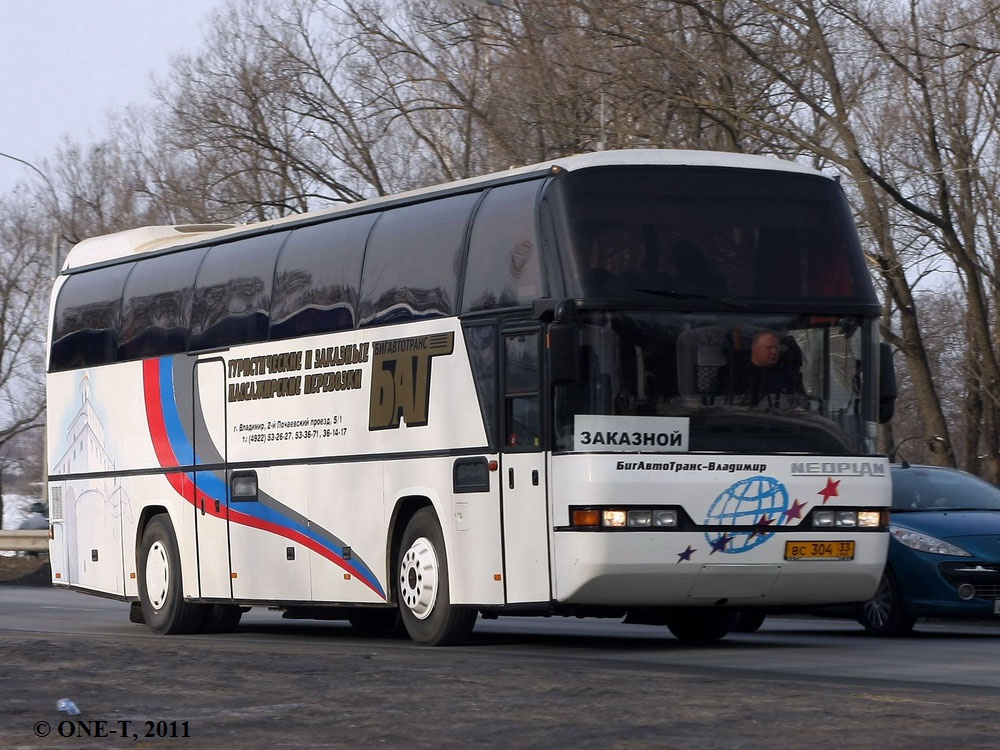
641	384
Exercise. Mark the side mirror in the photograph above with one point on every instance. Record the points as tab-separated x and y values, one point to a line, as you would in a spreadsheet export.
887	389
563	355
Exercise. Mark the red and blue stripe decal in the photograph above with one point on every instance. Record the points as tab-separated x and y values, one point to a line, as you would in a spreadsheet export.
174	449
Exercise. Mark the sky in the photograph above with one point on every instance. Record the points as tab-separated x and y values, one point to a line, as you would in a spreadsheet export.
67	65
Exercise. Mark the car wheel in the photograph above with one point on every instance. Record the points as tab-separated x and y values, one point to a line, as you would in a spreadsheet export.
422	585
884	614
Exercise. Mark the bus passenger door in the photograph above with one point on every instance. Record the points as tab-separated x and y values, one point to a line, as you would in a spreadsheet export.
523	480
211	487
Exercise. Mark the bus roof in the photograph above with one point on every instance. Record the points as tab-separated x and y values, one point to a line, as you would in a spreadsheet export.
131	242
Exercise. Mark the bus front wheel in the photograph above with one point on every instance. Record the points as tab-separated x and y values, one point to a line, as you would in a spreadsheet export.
160	591
422	586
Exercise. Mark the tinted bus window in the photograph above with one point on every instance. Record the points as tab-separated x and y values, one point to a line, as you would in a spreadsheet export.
481	341
317	278
156	309
646	233
413	260
504	268
232	295
87	318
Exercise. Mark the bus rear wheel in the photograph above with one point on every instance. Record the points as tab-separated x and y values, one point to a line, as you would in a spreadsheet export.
160	589
422	586
697	625
221	618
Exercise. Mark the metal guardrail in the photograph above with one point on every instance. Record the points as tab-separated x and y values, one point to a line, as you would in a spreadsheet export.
24	541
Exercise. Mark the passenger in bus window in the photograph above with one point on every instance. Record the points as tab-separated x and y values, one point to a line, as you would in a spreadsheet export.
769	374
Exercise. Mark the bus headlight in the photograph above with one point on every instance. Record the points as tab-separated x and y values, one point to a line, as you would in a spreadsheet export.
831	518
640	518
625	518
613	518
658	517
664	518
870	519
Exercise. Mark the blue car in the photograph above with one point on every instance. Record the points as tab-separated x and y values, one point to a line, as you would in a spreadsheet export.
944	551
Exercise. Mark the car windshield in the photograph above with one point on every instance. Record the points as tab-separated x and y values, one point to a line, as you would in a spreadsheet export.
915	488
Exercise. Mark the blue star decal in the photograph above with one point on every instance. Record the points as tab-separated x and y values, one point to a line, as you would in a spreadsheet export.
719	545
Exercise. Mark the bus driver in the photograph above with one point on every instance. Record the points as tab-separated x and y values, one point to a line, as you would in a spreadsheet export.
767	374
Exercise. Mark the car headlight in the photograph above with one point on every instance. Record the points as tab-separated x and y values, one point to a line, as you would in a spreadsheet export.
926	543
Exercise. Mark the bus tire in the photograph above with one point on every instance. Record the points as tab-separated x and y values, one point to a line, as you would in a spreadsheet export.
373	621
221	618
422	586
161	591
748	621
700	625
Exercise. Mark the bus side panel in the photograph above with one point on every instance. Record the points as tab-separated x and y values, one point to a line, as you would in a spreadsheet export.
88	549
328	410
99	425
347	530
470	523
151	494
392	391
268	565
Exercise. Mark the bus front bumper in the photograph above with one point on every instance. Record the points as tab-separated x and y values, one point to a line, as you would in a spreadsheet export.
632	569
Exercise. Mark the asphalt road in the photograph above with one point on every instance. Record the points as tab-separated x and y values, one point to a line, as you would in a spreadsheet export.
520	683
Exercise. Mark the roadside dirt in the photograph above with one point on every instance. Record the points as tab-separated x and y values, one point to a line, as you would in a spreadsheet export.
265	690
267	687
25	570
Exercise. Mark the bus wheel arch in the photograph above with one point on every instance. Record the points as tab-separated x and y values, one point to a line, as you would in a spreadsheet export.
161	593
420	581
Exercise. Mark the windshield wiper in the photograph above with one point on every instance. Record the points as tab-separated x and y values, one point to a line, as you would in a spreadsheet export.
673	294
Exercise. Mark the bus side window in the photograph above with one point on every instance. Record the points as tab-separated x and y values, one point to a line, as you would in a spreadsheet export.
156	305
87	319
317	277
481	341
232	294
504	269
413	260
522	409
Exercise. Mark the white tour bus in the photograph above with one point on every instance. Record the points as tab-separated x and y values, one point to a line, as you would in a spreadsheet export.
539	392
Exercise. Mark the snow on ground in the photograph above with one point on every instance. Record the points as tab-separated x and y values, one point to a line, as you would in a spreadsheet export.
15	509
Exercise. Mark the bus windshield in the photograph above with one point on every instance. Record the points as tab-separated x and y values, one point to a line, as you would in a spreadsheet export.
746	383
700	233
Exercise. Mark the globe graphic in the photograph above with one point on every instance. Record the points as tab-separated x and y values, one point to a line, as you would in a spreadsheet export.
749	502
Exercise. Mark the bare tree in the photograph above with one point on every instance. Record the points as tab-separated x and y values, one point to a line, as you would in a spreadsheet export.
303	103
26	242
899	97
